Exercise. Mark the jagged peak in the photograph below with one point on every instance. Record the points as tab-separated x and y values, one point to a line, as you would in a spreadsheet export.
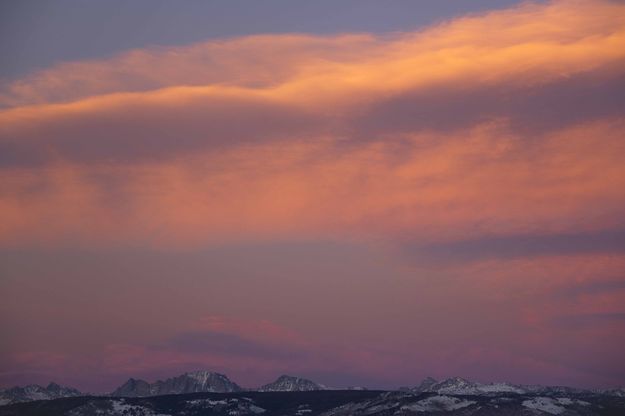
287	383
189	382
288	377
197	372
205	373
457	380
135	380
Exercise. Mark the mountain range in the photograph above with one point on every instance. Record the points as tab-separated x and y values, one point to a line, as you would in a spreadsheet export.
326	403
191	382
450	395
36	392
461	386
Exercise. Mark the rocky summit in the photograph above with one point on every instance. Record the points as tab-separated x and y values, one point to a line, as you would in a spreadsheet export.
290	383
194	382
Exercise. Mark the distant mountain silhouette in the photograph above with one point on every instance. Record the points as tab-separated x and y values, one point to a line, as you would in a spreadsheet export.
194	382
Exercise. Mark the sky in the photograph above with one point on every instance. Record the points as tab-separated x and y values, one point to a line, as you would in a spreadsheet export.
356	192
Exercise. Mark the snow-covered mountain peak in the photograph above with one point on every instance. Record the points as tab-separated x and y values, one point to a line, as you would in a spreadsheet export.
461	386
192	382
291	383
204	377
455	382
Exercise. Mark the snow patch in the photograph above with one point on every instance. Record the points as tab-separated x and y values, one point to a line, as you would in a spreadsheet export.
499	388
438	403
303	410
120	407
545	404
234	406
113	408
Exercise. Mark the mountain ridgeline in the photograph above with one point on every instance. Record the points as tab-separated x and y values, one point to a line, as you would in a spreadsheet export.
205	381
194	382
36	392
204	392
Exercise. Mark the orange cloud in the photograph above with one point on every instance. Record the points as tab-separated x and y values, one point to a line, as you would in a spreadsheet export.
532	43
485	181
283	135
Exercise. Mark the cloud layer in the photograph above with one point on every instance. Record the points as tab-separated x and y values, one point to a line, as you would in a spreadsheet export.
355	133
482	156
